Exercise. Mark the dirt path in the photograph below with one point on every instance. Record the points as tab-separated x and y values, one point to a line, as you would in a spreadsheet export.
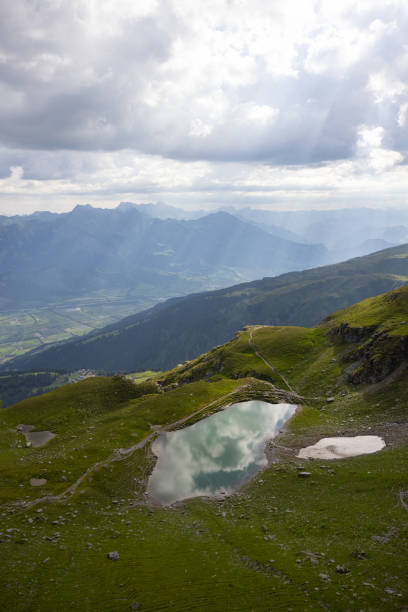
403	494
259	354
275	371
121	453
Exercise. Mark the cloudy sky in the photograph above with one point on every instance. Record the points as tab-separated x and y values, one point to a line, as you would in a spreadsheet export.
199	103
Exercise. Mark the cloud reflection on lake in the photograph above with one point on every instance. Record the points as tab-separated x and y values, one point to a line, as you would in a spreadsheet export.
217	454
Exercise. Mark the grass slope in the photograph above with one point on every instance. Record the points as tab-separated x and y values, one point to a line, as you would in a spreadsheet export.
181	329
336	540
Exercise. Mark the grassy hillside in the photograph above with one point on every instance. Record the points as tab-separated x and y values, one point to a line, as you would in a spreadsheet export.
181	329
336	540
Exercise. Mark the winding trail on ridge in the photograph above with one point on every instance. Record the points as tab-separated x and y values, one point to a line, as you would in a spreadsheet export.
275	371
119	454
402	495
122	453
270	366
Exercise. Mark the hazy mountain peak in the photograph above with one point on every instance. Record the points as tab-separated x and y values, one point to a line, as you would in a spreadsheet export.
124	206
83	209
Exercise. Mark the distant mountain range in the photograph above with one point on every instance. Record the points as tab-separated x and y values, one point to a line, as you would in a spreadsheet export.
182	328
156	251
48	257
330	226
346	233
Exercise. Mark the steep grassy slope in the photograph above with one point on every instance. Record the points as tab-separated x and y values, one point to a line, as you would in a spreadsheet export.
336	540
182	328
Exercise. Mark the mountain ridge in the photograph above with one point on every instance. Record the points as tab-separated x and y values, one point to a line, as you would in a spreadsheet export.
182	328
124	251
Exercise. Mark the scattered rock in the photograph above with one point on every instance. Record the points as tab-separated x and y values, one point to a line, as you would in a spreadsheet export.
113	556
390	591
38	482
324	577
310	555
359	554
329	400
381	539
304	474
341	569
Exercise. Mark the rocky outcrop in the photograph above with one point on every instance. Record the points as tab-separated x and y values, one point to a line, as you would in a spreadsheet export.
372	355
345	333
376	358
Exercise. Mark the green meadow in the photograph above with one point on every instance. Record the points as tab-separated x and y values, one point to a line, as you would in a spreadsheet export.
334	540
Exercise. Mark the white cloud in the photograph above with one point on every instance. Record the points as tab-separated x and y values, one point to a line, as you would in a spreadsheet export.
369	149
384	87
212	96
260	113
199	128
402	114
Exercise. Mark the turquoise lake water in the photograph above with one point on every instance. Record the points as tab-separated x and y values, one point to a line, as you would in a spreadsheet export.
215	456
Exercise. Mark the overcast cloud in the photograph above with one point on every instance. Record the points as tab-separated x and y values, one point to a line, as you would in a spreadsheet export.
279	103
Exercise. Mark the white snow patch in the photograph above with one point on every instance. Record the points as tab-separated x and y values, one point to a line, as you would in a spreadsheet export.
338	448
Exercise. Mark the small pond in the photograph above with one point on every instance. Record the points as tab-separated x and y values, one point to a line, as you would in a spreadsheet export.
35	438
215	456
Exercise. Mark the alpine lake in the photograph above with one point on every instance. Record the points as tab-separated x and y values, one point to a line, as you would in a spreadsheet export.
215	456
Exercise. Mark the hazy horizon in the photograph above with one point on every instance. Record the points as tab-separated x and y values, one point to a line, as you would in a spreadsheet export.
203	209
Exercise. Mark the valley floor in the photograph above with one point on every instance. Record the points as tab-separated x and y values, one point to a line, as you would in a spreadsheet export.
24	329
